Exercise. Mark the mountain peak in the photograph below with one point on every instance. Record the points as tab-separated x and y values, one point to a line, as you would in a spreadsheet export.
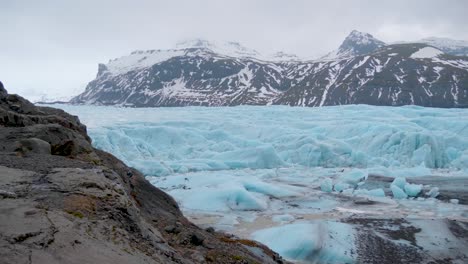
360	43
230	48
355	44
361	37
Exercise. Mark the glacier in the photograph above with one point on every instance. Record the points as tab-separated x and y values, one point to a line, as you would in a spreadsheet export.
262	172
172	140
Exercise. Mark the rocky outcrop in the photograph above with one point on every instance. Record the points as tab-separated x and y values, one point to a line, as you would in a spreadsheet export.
3	92
62	201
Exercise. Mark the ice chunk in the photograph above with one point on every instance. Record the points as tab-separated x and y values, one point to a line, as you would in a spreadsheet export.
433	192
348	192
267	189
400	182
341	186
326	185
321	242
413	189
219	199
454	201
397	192
354	177
294	241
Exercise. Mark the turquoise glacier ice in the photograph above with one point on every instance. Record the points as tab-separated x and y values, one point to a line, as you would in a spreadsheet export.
286	176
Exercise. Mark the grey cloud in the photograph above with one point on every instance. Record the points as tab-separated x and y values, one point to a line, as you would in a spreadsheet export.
53	46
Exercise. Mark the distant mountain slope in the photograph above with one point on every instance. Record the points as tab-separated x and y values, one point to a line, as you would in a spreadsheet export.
450	46
402	74
363	70
192	77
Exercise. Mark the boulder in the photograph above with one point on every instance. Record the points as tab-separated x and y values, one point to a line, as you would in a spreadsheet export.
33	145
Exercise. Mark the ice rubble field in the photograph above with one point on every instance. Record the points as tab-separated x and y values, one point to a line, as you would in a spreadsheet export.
278	174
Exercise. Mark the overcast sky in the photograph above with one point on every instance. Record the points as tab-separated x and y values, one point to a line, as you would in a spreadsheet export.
53	46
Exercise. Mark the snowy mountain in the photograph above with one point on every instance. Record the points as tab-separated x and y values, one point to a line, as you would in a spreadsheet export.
233	49
190	77
450	46
356	43
363	70
402	74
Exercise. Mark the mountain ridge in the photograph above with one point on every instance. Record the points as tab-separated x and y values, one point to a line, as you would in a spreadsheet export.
364	70
355	44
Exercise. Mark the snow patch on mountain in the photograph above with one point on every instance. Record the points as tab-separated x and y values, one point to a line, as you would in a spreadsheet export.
445	42
426	53
451	46
140	59
230	48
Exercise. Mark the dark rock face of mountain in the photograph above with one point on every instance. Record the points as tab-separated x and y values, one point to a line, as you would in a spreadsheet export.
62	201
389	76
3	92
355	44
361	43
362	71
199	77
